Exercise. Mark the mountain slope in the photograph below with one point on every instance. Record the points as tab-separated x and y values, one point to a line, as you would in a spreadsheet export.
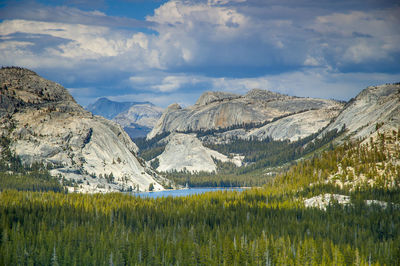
45	124
374	107
216	110
184	152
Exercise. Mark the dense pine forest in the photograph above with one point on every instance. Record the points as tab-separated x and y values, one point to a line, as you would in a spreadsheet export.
260	226
263	159
15	175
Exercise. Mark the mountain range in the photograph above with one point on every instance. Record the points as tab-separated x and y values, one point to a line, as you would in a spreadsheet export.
220	118
137	118
221	130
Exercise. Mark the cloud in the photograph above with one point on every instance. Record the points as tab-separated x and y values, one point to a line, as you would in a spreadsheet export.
315	82
359	38
214	38
199	35
327	49
69	15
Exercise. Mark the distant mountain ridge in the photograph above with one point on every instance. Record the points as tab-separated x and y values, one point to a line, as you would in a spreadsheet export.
137	118
216	110
108	108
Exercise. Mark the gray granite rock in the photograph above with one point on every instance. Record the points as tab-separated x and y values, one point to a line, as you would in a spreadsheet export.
51	127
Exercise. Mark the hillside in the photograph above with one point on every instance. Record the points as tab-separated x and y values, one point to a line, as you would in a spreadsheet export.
282	139
273	225
373	108
184	152
45	125
219	110
220	118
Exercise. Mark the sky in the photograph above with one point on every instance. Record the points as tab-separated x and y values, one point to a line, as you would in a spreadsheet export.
172	51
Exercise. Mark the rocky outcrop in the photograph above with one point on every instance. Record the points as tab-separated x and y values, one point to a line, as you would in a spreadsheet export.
184	152
324	200
374	107
50	127
296	126
291	128
139	119
216	110
215	96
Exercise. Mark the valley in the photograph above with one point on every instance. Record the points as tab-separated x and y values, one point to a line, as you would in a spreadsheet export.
204	133
314	168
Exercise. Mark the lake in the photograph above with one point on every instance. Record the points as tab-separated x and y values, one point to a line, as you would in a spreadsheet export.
183	192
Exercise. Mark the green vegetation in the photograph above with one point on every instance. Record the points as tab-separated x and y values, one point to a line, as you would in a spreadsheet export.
30	181
265	226
15	175
149	149
264	159
255	227
271	152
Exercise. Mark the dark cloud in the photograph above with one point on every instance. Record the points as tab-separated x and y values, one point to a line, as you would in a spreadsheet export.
65	14
38	42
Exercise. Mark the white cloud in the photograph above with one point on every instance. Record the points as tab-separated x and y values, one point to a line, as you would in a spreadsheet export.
85	42
359	36
215	33
209	45
316	82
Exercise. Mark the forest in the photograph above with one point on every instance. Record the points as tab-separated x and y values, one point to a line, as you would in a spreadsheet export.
260	226
15	175
263	159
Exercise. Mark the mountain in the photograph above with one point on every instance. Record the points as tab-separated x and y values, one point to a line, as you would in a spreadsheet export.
46	125
373	108
221	118
139	119
109	109
184	152
224	111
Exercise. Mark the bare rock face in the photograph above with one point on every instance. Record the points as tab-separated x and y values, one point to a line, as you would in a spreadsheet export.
50	127
215	96
374	106
216	110
296	126
186	152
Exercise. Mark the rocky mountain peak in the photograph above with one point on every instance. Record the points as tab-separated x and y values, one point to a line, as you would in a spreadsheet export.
374	106
49	127
26	86
264	95
375	92
110	109
174	106
214	96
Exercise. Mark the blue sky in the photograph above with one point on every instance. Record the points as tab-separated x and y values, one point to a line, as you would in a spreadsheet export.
172	51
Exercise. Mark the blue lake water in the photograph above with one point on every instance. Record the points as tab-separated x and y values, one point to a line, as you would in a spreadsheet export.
182	192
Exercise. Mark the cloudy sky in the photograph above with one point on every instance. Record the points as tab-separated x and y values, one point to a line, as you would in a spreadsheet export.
172	51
